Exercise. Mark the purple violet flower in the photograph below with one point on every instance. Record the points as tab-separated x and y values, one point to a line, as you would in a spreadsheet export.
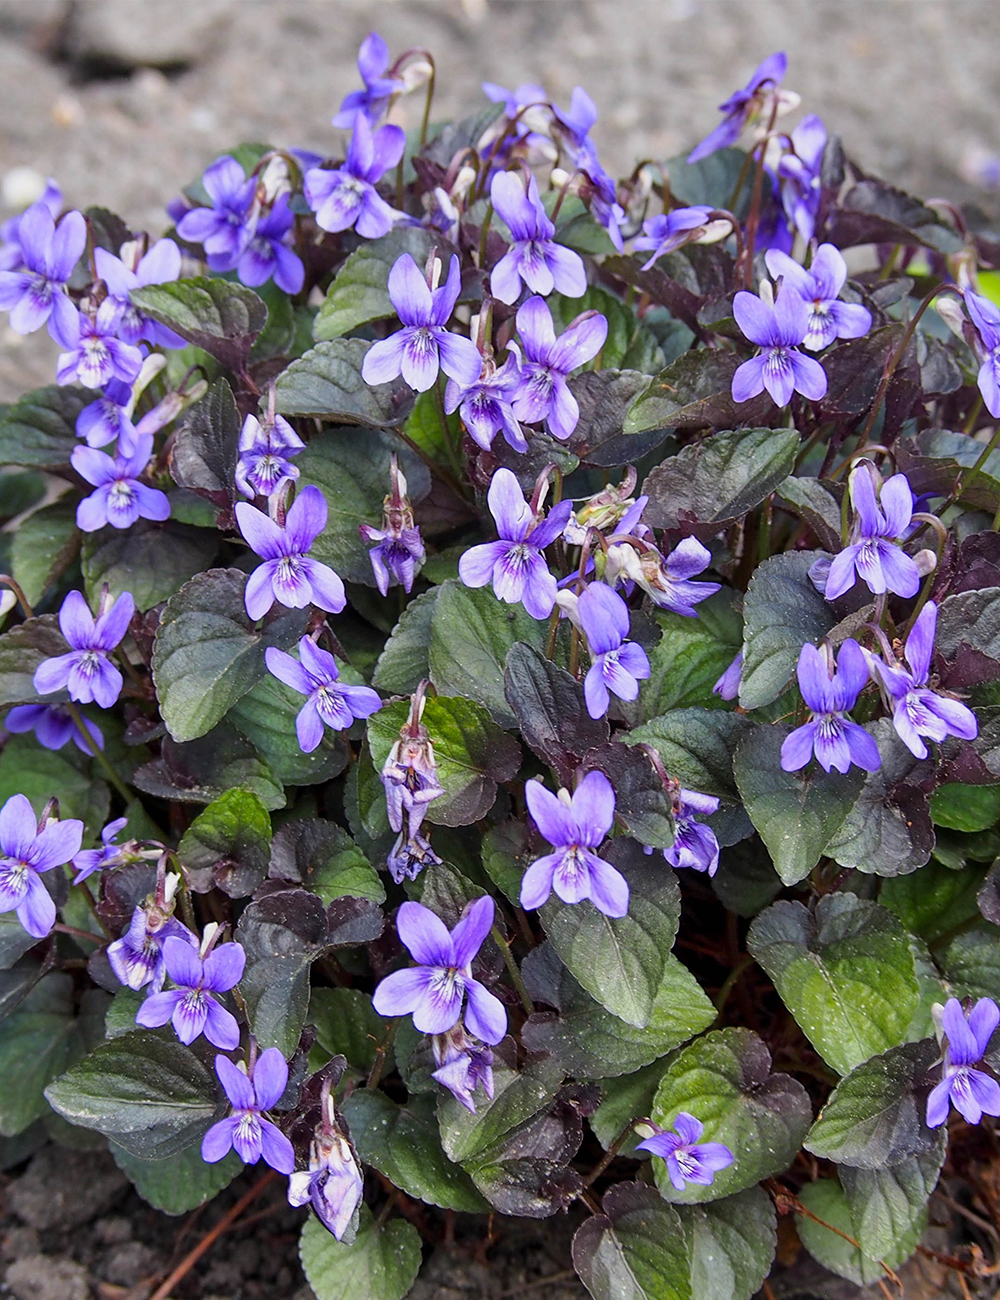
728	685
967	1036
916	709
754	103
799	173
424	344
533	257
399	549
246	1129
52	726
346	197
161	265
11	258
288	575
574	825
94	354
878	523
666	580
331	703
37	294
190	1006
267	253
834	738
86	671
672	230
694	845
225	228
333	1183
986	318
485	406
110	854
372	102
515	564
120	498
435	989
687	1159
26	850
137	957
618	664
819	288
463	1065
265	455
105	419
409	774
544	393
779	367
602	193
573	125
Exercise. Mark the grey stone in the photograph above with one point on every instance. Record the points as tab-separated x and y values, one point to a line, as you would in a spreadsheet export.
18	1242
113	1230
150	33
40	1277
66	1189
129	1263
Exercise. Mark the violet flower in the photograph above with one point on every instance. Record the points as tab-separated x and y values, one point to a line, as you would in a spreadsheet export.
36	294
288	575
246	1129
672	230
967	1036
485	406
528	108
424	344
265	453
331	703
399	549
463	1066
120	498
573	125
95	355
52	726
191	1006
575	826
756	102
110	854
409	855
986	318
834	738
872	553
11	258
346	197
544	393
409	774
515	564
728	685
779	367
687	1159
533	257
86	671
334	1183
225	228
618	664
600	190
694	845
26	851
380	89
161	265
819	288
137	957
665	579
799	173
916	709
267	253
434	990
105	419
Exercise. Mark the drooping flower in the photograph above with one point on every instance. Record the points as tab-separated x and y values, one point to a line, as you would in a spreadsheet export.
986	318
695	845
758	100
728	685
137	957
573	127
666	580
618	664
819	288
409	855
265	455
879	521
534	257
687	1159
544	393
52	726
246	1130
599	189
37	294
346	197
267	252
331	703
799	173
94	354
967	1036
28	849
225	228
86	671
918	711
515	564
836	740
191	1006
779	366
399	549
120	497
160	265
463	1065
575	825
110	854
485	406
288	575
672	230
528	108
435	989
410	780
424	344
333	1183
105	419
372	102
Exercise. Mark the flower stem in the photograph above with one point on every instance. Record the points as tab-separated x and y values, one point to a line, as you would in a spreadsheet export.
15	587
893	362
382	1051
608	1156
98	753
512	970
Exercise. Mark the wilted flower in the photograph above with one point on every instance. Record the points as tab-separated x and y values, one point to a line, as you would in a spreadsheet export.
266	451
834	738
120	498
667	581
86	671
246	1129
687	1159
137	957
409	855
110	854
331	703
49	252
544	393
225	228
372	102
288	575
27	849
819	288
695	845
191	1006
346	197
778	329
485	405
334	1183
533	257
399	550
618	664
463	1065
409	774
967	1036
759	99
878	523
672	230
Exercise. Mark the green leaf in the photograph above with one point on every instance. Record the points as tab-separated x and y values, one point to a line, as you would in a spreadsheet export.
629	345
39	430
635	1249
782	611
150	560
966	807
359	293
38	1041
219	316
379	1264
402	1142
229	844
22	649
20	490
693	392
971	963
424	429
725	1079
731	1244
696	747
282	933
348	1025
826	1200
887	1205
208	654
472	754
628	1097
518	1095
205	448
326	383
15	941
180	1182
266	716
507	856
43	547
845	971
17	982
933	900
796	813
813	502
147	1093
278	335
326	860
690	657
403	663
711	483
877	1115
27	768
471	635
351	469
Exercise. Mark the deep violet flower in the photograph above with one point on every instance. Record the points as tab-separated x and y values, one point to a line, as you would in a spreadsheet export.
799	174
424	345
695	845
485	406
86	671
36	294
967	1036
333	1183
346	197
225	228
515	564
756	102
267	253
119	498
618	664
986	318
265	455
819	288
52	726
534	257
778	330
672	230
878	522
106	420
110	854
161	265
137	957
544	393
728	685
288	575
191	1006
330	702
687	1159
834	738
246	1129
372	102
94	354
26	851
434	990
575	825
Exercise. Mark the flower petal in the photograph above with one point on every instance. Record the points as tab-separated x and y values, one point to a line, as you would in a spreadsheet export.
484	1013
425	935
